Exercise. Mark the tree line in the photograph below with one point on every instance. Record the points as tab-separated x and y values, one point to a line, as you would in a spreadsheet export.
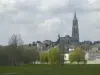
53	56
15	54
50	57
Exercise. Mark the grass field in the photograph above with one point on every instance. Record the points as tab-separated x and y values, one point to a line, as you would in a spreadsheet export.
51	70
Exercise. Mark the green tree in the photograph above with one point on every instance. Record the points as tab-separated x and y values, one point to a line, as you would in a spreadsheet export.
30	55
3	57
16	54
44	57
54	56
78	55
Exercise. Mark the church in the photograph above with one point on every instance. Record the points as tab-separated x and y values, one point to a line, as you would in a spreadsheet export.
70	41
64	42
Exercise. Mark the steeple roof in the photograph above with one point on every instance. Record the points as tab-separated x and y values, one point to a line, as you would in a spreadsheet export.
75	18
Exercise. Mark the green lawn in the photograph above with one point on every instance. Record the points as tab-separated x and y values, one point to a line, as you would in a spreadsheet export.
52	70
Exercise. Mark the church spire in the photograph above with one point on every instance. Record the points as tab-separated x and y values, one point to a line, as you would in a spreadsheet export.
75	18
75	30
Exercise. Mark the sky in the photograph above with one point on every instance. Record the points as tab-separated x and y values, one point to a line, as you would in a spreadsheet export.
45	19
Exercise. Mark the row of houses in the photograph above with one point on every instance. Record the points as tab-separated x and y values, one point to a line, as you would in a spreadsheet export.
92	56
92	50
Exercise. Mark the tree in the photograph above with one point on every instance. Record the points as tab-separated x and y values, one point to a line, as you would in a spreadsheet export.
31	55
16	54
15	44
44	57
15	40
78	55
3	57
54	56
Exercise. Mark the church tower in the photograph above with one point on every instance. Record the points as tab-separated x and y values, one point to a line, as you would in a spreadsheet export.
75	30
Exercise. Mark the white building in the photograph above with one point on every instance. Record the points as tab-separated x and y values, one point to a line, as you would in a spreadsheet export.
66	55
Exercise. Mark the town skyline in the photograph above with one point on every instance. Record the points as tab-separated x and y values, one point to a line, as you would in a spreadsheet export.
44	20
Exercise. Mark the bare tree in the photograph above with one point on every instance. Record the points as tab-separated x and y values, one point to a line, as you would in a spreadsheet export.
15	40
15	43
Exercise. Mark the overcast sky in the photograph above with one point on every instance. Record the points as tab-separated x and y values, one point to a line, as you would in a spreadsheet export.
45	19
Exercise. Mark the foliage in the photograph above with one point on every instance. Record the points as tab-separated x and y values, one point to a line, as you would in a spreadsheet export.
30	55
51	56
16	54
54	56
78	55
44	57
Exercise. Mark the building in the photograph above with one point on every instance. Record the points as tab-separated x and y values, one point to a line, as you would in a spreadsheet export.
66	41
75	31
45	45
69	41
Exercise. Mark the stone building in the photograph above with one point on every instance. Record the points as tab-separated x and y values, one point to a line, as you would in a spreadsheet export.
70	41
45	45
75	31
